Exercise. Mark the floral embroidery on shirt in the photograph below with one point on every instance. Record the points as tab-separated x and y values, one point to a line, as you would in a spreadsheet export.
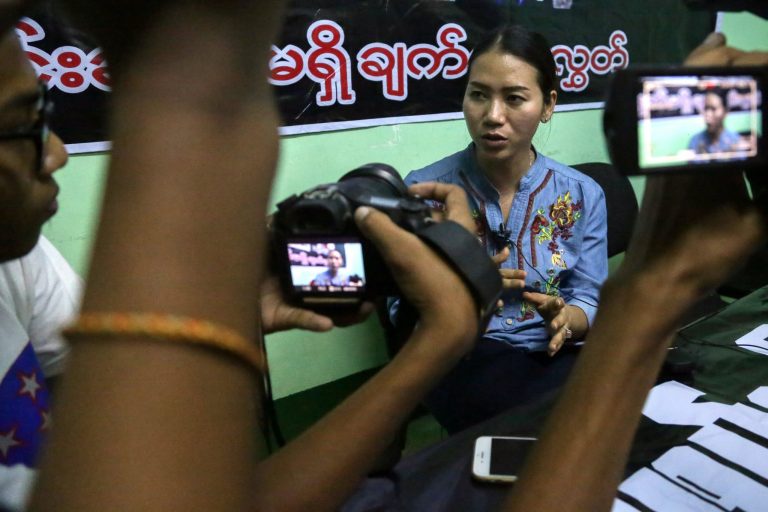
556	225
552	286
526	312
551	227
558	261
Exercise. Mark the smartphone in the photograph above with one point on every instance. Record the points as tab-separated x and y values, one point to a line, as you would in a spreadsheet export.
675	119
500	459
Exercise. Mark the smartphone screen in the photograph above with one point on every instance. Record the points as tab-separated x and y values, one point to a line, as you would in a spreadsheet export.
698	120
500	459
331	267
508	455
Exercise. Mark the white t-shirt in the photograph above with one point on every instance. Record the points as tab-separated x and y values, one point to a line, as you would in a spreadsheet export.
43	293
39	294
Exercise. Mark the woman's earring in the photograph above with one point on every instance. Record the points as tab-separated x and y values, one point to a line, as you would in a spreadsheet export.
544	119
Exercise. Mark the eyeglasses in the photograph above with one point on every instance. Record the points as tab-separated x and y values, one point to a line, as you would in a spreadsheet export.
40	131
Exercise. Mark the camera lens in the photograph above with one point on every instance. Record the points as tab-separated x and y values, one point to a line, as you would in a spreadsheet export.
375	179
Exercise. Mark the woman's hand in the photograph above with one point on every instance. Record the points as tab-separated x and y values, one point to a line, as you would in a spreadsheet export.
557	318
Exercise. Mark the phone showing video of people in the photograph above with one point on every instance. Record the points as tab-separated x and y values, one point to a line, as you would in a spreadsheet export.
327	267
698	120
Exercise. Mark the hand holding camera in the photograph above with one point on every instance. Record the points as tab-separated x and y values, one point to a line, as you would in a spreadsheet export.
278	315
318	247
424	279
716	223
328	263
453	201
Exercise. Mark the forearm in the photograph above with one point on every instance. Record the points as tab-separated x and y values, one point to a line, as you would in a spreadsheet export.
140	424
191	170
580	458
184	242
145	425
321	468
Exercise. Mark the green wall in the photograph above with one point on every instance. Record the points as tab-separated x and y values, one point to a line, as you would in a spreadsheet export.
301	360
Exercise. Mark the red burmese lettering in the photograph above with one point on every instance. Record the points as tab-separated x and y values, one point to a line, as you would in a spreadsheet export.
576	63
68	68
69	59
420	53
286	65
100	77
394	65
71	70
449	36
329	64
382	63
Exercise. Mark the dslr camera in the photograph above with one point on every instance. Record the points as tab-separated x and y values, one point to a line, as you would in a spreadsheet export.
322	259
325	264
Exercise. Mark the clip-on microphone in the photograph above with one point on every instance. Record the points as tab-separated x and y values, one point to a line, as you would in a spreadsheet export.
502	237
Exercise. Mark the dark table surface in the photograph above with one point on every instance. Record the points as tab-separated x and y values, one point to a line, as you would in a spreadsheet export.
439	478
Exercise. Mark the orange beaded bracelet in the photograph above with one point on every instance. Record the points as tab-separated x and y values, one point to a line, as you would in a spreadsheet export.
167	327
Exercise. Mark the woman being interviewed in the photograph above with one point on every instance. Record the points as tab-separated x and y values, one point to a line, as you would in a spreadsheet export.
543	222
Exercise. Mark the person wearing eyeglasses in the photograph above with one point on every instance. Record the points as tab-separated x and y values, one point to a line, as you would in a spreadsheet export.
174	430
159	411
30	154
39	291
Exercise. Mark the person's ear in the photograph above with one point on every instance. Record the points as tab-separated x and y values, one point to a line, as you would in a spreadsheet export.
549	106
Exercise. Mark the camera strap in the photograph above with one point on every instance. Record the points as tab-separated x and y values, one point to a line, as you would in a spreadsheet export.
469	259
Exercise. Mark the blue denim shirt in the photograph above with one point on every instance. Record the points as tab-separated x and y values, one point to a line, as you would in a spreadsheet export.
557	226
700	142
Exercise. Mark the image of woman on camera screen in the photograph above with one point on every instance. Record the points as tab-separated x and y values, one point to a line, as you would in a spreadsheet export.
715	138
543	223
336	274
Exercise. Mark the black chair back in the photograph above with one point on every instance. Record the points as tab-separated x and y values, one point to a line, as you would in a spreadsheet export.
621	203
620	200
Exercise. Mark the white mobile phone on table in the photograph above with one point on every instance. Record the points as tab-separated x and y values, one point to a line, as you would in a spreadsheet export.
500	459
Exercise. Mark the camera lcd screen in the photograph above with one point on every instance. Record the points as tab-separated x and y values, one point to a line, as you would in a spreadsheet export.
327	267
689	120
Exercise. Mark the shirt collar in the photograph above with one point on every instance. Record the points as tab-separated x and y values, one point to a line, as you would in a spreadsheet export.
478	180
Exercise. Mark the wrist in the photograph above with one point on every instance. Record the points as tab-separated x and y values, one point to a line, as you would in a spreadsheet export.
658	302
446	339
578	322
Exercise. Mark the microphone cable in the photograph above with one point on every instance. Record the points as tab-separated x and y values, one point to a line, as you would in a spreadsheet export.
503	237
